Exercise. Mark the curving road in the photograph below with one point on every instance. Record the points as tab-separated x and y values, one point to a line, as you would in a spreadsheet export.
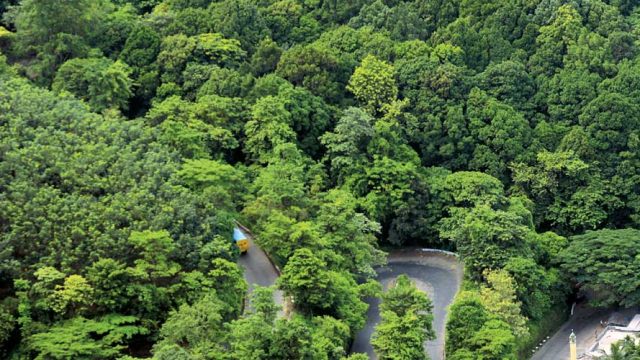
258	269
436	273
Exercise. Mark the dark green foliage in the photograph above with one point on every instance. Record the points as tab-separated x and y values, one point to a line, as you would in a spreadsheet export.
100	82
327	127
595	260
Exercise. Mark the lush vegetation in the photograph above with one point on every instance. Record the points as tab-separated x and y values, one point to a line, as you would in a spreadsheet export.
134	132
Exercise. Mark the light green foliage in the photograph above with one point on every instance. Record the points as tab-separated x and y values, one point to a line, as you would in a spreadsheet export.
373	84
262	304
75	292
292	339
250	337
155	248
406	322
190	130
352	234
499	299
80	337
215	48
330	337
223	184
473	332
305	278
494	341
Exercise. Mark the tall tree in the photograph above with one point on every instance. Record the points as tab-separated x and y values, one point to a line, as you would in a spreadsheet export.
406	322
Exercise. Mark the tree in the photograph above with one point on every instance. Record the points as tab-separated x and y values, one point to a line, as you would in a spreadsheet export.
373	84
602	261
350	234
101	82
537	289
608	122
466	317
502	134
140	52
266	57
346	145
292	339
197	327
474	332
486	238
626	349
499	299
509	82
191	129
38	21
80	337
55	32
7	326
239	19
269	127
495	341
316	68
406	322
250	337
223	184
554	40
306	280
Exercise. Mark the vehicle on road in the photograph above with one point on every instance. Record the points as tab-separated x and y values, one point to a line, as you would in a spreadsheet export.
241	240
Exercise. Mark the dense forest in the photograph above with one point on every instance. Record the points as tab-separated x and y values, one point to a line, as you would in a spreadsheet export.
133	133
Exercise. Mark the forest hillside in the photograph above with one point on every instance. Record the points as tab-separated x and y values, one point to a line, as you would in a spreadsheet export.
135	133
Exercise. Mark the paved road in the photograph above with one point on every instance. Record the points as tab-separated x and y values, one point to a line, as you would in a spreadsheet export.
439	275
258	270
585	322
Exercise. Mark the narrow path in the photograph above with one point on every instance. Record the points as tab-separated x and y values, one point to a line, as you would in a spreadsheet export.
438	274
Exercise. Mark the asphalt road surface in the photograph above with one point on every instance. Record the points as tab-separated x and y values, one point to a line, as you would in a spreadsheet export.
585	322
438	274
258	270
